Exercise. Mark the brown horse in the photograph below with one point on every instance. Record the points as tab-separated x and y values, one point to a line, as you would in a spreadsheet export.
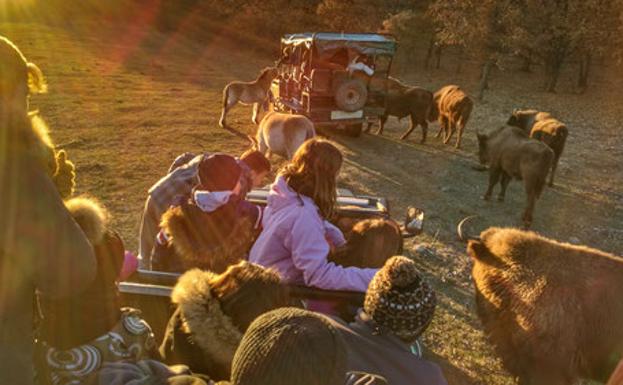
254	92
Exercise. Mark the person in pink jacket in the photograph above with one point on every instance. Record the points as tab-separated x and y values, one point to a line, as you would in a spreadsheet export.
296	237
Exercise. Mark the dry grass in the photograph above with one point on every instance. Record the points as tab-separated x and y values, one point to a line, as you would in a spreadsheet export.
124	103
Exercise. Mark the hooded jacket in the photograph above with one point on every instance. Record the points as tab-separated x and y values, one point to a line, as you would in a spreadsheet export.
208	240
375	350
41	247
199	334
294	242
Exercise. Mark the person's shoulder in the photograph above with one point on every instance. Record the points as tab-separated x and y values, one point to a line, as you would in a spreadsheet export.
432	370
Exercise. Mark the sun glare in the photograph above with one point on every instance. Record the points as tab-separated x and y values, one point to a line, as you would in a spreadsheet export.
10	9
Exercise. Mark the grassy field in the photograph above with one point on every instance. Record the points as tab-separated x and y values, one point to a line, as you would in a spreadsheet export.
125	101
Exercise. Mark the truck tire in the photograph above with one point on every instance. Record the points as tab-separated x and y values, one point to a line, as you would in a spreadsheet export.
351	95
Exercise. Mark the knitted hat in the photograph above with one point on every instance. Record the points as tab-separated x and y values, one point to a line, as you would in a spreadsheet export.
290	346
218	172
399	300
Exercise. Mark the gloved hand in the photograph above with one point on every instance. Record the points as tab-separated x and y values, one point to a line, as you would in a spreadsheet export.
65	176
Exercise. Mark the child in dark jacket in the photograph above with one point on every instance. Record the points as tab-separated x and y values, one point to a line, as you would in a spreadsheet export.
213	311
398	307
78	334
212	229
179	182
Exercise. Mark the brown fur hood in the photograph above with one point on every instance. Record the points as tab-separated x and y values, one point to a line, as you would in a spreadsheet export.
203	240
177	226
212	330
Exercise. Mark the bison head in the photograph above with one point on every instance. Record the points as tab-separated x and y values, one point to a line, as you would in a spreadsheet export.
433	112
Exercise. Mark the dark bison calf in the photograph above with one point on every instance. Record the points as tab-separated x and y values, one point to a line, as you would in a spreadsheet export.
452	108
510	153
542	126
370	242
553	311
401	101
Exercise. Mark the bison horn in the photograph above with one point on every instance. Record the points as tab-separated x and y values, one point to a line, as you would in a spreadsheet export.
459	229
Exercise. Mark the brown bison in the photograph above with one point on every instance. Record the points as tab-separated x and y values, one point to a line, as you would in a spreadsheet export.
552	310
401	101
370	243
542	126
510	153
525	119
451	107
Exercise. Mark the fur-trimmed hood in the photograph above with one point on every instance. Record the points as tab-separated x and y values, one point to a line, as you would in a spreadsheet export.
91	216
204	240
212	330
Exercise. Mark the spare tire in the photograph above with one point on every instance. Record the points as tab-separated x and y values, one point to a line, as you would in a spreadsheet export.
351	95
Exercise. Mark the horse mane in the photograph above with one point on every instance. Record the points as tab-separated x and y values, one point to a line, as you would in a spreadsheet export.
264	72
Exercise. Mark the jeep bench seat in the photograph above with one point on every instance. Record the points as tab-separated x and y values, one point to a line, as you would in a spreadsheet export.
150	291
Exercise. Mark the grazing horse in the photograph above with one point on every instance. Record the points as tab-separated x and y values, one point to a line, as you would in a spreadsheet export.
283	134
255	92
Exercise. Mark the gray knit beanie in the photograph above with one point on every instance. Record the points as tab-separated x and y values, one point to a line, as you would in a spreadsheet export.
290	346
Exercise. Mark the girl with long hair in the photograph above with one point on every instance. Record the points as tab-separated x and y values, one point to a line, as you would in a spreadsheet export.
297	238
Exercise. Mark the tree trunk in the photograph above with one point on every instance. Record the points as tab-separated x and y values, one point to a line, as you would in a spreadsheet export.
585	65
553	65
438	56
552	68
459	65
484	78
429	52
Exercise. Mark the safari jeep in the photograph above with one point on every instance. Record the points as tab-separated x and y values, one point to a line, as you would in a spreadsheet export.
336	80
150	290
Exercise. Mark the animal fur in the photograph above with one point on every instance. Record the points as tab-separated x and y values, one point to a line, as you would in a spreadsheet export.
199	242
525	119
542	126
452	108
212	330
92	217
255	92
401	101
370	243
552	310
510	153
283	134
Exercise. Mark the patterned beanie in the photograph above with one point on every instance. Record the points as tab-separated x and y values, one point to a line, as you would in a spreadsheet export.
290	346
399	300
218	172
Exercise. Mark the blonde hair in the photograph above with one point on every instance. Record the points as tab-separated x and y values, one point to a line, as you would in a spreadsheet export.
21	130
17	72
313	172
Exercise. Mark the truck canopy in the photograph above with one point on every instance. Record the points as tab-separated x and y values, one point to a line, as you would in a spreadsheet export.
326	42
